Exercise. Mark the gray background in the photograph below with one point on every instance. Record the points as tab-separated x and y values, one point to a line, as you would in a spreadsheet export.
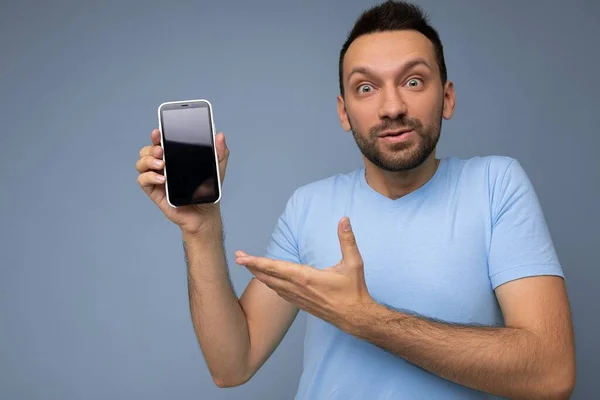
93	301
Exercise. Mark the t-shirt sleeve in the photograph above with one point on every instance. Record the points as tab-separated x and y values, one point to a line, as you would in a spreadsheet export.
283	244
521	245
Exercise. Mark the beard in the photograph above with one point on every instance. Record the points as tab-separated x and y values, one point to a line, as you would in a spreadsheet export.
401	156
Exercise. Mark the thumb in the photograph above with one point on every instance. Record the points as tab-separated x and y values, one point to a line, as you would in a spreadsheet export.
222	149
350	253
222	154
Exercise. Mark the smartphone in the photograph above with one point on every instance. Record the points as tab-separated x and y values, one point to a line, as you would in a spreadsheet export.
191	166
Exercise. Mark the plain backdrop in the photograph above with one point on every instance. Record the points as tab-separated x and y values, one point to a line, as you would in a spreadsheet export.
93	296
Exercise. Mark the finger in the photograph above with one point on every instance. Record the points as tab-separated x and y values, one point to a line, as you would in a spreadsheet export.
278	269
149	163
155	136
264	278
222	150
145	151
258	263
149	179
280	286
155	151
350	252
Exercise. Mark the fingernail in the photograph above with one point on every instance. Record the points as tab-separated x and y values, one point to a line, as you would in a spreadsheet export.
160	178
157	163
346	225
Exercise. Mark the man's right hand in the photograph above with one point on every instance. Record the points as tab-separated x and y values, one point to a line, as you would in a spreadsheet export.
191	219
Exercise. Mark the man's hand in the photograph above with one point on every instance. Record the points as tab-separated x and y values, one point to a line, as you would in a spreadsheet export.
513	362
193	218
333	294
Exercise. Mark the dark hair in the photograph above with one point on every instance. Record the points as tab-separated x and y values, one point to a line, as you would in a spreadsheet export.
390	16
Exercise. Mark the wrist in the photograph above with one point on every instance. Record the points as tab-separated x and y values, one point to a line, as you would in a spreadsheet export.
211	228
358	320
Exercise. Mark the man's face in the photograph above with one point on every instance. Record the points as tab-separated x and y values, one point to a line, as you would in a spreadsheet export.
394	99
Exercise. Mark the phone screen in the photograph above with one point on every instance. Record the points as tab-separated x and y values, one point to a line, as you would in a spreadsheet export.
190	164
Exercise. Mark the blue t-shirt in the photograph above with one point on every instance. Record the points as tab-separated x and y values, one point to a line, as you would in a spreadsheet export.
439	251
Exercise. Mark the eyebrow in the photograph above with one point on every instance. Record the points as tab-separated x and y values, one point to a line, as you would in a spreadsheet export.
406	66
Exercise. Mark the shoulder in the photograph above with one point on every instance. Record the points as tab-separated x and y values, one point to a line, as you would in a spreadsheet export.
319	195
495	172
497	180
503	173
327	187
506	185
491	166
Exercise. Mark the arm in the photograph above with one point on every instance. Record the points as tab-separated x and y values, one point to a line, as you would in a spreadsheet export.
236	337
532	357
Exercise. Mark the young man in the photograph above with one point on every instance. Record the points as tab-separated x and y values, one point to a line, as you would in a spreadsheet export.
421	277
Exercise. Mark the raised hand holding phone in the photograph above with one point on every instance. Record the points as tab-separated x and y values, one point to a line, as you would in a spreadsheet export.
150	165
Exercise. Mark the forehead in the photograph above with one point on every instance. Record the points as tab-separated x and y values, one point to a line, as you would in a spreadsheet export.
388	49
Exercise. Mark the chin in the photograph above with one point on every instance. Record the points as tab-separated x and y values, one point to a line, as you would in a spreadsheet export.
399	163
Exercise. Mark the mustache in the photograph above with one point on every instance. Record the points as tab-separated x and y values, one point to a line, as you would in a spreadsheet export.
397	124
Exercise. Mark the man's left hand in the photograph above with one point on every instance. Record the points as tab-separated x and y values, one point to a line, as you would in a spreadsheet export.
334	294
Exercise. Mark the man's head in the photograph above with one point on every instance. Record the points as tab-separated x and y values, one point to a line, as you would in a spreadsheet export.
393	79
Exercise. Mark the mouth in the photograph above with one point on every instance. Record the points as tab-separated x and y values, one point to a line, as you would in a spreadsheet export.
397	136
394	133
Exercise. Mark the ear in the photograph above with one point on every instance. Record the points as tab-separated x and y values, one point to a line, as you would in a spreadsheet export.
449	100
341	108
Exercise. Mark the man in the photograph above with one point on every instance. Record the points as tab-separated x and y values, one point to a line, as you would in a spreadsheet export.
422	278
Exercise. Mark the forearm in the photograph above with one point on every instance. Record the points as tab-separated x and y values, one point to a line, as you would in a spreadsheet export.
219	322
508	362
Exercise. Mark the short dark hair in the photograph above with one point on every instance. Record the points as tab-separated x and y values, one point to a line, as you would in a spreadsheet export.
390	16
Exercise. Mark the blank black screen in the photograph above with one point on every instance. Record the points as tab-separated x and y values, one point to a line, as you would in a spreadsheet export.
189	154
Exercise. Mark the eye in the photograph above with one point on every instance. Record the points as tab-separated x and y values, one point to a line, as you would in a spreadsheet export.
365	88
414	82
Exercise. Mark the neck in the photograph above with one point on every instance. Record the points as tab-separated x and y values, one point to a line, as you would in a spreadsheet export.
397	184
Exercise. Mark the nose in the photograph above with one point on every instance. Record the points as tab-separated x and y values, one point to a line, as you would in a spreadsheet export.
392	104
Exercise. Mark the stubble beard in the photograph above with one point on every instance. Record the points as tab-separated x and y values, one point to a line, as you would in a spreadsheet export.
403	156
